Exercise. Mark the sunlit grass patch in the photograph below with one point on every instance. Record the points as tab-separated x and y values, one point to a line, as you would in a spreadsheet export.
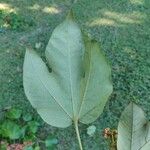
111	18
51	10
7	8
103	21
130	18
137	2
35	7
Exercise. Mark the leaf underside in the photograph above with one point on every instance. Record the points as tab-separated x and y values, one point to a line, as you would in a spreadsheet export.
79	84
133	129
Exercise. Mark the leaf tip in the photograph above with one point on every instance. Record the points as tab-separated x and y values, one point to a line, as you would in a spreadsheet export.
132	104
70	15
28	49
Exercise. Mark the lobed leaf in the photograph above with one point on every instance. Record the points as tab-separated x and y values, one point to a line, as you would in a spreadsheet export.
79	84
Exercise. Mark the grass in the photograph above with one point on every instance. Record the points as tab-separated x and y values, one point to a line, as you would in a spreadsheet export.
122	29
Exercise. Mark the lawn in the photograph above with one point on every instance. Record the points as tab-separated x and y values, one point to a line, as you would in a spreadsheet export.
122	28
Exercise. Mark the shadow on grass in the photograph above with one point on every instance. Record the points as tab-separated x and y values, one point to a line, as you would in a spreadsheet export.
40	12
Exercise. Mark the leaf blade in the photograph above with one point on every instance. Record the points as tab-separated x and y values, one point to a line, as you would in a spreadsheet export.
66	85
97	84
64	53
37	83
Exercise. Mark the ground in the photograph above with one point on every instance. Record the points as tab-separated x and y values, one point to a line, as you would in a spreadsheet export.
122	29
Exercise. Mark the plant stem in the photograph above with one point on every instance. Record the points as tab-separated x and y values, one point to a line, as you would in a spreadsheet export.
78	134
113	145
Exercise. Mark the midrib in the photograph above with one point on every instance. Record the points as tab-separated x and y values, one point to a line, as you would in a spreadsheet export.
70	75
87	83
132	128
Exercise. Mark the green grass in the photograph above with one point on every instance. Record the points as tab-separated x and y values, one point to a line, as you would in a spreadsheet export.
122	29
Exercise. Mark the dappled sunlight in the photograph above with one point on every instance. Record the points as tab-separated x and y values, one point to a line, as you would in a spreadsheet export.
130	18
103	21
51	10
6	7
118	19
34	7
137	2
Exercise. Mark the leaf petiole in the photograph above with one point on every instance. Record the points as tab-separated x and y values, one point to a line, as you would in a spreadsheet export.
78	134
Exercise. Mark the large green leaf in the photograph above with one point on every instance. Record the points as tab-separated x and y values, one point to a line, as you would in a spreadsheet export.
79	84
14	113
10	130
133	129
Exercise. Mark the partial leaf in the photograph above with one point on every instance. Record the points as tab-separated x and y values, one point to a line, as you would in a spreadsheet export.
27	117
23	131
133	129
50	142
37	148
91	130
33	126
28	148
